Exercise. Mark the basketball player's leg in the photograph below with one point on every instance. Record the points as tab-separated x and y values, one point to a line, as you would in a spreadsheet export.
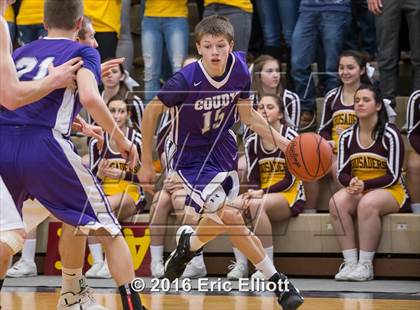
343	207
270	207
122	205
12	233
370	209
159	213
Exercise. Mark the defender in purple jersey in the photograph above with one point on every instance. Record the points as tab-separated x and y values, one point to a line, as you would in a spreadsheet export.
38	160
15	94
205	98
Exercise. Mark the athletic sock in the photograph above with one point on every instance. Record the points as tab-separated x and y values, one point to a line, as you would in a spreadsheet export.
415	207
130	298
267	267
96	251
72	280
240	257
156	252
195	243
366	257
350	256
28	250
270	252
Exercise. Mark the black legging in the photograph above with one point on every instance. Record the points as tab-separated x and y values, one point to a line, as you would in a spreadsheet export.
107	42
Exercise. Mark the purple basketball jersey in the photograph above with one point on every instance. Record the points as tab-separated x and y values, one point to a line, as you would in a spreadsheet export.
204	108
58	109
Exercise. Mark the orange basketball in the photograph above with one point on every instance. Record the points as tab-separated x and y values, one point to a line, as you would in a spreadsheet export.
309	157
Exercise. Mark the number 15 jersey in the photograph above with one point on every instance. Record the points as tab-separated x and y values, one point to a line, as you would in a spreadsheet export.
204	108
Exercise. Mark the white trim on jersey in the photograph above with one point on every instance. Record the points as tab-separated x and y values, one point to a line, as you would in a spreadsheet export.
65	112
393	160
295	102
334	92
345	135
213	82
411	108
93	191
251	139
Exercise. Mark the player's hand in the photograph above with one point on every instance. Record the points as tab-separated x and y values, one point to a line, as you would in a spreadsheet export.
64	75
108	65
375	6
95	132
147	177
172	184
113	173
355	187
128	152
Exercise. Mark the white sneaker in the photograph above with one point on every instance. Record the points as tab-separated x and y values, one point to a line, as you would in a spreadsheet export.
93	271
344	271
257	275
82	301
157	269
362	272
104	273
22	268
194	270
237	271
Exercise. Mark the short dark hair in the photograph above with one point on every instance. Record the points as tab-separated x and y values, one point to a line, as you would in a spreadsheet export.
82	32
214	25
62	14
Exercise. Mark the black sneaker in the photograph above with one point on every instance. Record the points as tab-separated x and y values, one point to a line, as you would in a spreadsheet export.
179	258
288	300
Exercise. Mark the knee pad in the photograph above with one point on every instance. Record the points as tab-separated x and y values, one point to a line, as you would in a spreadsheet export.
13	239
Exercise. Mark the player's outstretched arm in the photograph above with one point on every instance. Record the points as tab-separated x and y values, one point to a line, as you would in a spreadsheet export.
15	94
148	127
258	124
94	104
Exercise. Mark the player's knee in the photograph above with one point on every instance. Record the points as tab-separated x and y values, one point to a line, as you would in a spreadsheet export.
14	239
231	217
332	205
367	208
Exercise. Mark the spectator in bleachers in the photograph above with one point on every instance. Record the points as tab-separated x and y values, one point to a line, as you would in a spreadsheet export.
29	21
277	194
413	160
9	15
369	163
362	36
338	113
320	22
118	82
277	17
267	80
106	19
119	183
239	13
125	46
165	23
388	14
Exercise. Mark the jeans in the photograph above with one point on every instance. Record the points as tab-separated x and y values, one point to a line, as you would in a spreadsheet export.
240	19
328	28
29	33
278	16
387	35
125	46
12	31
362	34
155	32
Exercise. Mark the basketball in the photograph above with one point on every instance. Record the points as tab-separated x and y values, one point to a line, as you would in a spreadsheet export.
309	157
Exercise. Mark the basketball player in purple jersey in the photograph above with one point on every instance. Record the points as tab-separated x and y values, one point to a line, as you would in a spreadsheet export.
15	94
204	99
37	159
